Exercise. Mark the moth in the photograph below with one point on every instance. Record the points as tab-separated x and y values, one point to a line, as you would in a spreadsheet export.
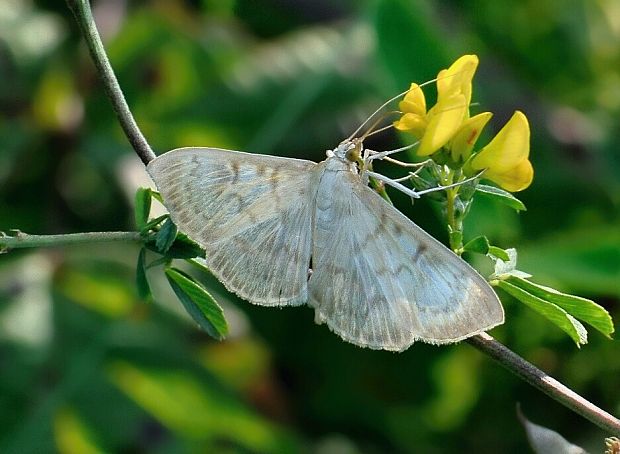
377	279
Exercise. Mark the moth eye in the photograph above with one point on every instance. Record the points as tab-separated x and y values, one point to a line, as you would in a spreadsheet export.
353	155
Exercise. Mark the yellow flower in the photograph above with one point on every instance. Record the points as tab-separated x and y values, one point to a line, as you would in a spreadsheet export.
413	107
506	157
447	125
436	127
457	78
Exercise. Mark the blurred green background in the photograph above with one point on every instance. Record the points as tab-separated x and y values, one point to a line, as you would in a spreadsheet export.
85	366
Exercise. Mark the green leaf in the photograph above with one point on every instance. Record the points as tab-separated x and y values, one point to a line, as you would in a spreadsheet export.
479	245
554	313
166	236
157	196
584	309
501	196
144	289
143	207
184	248
154	222
198	303
163	260
200	265
500	253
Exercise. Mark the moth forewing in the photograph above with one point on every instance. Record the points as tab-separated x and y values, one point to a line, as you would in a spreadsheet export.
251	213
380	281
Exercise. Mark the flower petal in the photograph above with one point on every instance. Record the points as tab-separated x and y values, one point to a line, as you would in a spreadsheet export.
412	123
409	107
444	120
516	179
457	78
414	101
508	148
466	137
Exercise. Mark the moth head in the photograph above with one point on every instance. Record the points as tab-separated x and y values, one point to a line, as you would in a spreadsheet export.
349	150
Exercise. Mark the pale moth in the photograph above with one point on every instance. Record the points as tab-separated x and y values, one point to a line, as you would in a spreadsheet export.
377	279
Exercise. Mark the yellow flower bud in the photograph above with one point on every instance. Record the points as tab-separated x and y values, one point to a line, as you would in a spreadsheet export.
413	107
457	78
412	123
414	101
505	158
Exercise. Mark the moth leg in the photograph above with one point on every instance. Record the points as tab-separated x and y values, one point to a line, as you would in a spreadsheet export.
412	192
416	165
408	176
420	166
395	184
371	155
453	185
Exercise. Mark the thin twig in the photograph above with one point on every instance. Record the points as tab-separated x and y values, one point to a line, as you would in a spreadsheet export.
84	16
24	240
549	385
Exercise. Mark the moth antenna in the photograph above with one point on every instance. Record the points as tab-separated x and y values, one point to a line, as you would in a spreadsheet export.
382	106
394	98
371	130
377	131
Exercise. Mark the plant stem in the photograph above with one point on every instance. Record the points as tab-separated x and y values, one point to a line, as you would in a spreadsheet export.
24	240
84	16
455	225
455	229
550	386
450	196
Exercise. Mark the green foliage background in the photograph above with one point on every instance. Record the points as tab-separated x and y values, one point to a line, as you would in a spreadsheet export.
85	365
